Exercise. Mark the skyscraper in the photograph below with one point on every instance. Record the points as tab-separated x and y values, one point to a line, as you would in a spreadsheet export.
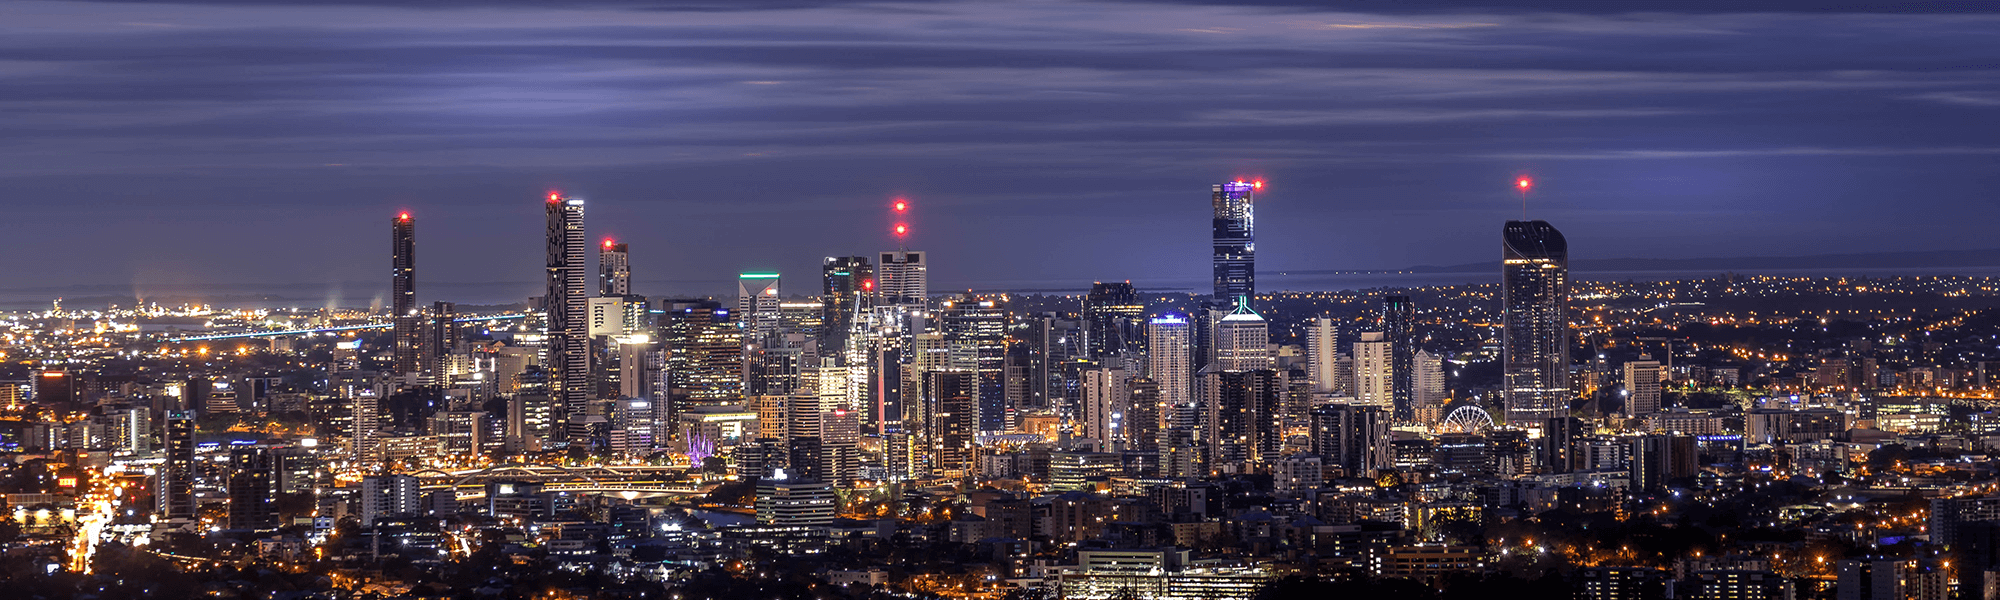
1105	400
1354	436
567	305
1243	341
1642	388
250	489
1534	282
614	270
1373	377
1235	243
975	334
177	482
408	327
1111	312
1170	361
1323	355
757	302
1398	313
846	281
903	278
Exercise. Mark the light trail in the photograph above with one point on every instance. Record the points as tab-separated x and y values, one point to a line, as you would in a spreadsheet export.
231	336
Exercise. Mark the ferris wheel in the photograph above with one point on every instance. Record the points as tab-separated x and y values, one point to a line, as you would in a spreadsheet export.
1466	419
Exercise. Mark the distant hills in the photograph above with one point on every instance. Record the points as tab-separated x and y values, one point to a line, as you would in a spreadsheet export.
1867	260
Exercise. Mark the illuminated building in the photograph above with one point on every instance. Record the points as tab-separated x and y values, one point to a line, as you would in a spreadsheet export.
1112	313
757	304
1429	383
1141	425
389	496
954	424
704	355
1323	355
567	305
785	500
975	334
1156	574
408	325
614	270
1642	388
846	283
1242	420
1105	400
366	424
442	340
1170	362
1534	286
1398	317
903	278
177	481
1243	341
1235	243
1374	377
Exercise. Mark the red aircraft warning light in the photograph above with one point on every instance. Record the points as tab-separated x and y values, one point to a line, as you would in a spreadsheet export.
1524	183
555	196
607	242
902	205
1257	185
868	284
902	229
403	217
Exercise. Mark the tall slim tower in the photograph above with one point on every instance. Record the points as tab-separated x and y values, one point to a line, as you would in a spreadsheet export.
568	306
1398	313
1323	354
614	270
1534	282
403	292
846	281
177	482
1235	243
1171	364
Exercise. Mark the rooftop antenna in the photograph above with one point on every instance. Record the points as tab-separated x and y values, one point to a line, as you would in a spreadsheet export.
1524	184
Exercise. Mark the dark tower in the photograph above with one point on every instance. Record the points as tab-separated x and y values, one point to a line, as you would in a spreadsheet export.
1112	315
1398	314
568	306
847	281
1534	281
403	289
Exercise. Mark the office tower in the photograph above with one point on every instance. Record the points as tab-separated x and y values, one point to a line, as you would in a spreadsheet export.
1243	341
1429	384
704	355
177	482
1642	388
1534	287
846	281
954	419
975	336
1353	436
365	423
250	489
384	496
441	340
407	325
1242	422
614	270
903	278
1170	363
757	301
789	500
1112	312
840	443
1373	375
1323	355
1235	243
1398	316
1104	404
567	307
619	315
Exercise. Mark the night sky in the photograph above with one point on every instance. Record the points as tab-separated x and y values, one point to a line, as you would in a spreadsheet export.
150	145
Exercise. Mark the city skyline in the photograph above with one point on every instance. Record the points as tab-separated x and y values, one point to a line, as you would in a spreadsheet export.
1656	153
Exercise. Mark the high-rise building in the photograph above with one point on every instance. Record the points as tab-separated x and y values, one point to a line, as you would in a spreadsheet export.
1642	388
1323	355
1399	315
1170	363
1242	420
177	482
847	281
1354	436
407	324
1243	341
1373	371
567	306
365	422
1104	405
441	340
614	270
1235	243
1111	314
388	496
954	426
1534	287
975	335
704	355
757	302
903	278
250	488
1430	391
